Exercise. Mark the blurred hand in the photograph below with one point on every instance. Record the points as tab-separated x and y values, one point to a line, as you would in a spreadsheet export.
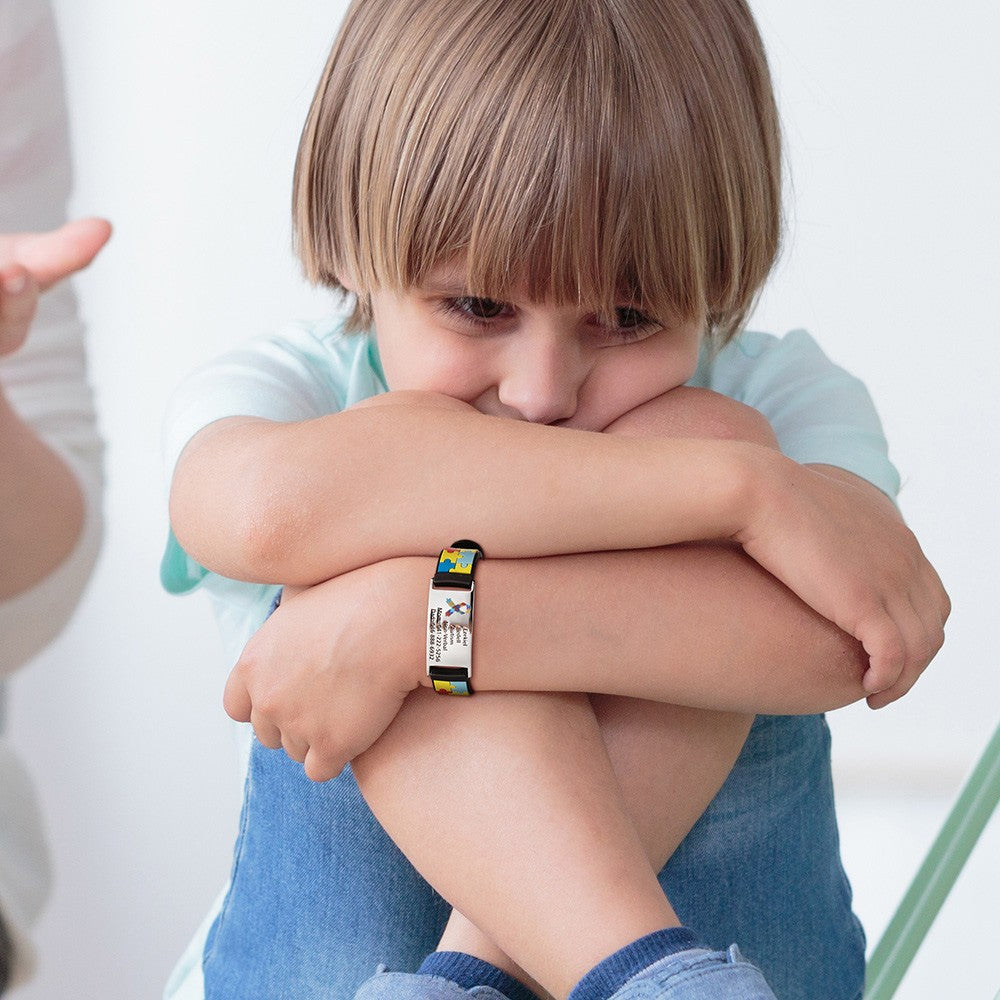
30	263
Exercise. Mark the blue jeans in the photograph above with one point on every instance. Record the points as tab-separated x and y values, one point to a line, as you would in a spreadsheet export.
320	894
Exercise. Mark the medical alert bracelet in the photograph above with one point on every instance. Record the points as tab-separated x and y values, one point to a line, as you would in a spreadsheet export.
449	618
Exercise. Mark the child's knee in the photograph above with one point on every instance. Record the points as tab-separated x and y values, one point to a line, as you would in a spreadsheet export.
698	413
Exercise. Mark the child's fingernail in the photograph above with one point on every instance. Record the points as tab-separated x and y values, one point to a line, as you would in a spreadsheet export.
14	284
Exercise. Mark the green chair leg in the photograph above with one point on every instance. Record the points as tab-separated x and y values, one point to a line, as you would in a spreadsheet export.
933	882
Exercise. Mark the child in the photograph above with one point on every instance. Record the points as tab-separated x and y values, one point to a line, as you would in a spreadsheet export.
542	207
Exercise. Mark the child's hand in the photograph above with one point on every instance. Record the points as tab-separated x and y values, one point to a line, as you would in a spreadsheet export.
841	546
321	677
30	263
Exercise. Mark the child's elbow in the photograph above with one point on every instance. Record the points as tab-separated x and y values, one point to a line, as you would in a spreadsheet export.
227	509
239	544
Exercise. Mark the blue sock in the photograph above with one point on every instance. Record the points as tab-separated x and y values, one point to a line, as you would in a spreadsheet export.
611	974
468	971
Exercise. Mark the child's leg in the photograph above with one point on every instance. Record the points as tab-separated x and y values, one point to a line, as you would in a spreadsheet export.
524	781
651	745
760	867
769	841
655	747
321	895
669	762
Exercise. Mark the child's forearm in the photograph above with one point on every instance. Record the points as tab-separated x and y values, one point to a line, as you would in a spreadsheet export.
699	626
694	625
299	503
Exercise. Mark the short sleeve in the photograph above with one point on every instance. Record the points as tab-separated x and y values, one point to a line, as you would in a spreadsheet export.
301	373
819	412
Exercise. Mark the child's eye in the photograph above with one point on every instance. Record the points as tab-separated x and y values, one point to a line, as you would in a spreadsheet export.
630	325
476	310
628	318
481	308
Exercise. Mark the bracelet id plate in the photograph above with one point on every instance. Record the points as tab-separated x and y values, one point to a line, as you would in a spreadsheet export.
449	639
449	619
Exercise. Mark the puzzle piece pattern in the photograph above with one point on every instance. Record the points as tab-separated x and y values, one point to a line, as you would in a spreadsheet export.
452	687
456	561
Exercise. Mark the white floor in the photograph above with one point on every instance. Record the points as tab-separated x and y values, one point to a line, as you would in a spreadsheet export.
885	835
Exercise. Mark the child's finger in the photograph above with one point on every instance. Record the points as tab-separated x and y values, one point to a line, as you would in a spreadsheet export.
922	637
880	700
267	732
886	650
18	302
236	699
320	767
296	749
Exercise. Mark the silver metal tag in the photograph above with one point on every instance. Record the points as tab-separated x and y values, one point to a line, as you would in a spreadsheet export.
449	628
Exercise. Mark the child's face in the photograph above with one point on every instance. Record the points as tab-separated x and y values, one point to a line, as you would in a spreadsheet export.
529	360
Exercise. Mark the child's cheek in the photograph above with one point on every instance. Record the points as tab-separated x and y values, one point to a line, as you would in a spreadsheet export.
412	363
617	388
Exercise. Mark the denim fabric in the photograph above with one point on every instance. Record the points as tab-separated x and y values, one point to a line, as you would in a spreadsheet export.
698	975
407	986
762	866
689	975
320	895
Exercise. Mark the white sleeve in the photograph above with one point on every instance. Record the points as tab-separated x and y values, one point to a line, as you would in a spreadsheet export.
300	373
46	380
276	378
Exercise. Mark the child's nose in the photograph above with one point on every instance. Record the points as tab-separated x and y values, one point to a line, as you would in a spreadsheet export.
543	383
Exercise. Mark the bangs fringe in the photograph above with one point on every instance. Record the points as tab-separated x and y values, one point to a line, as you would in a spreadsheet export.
544	143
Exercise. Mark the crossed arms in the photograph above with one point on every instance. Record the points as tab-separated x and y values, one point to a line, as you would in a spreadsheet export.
826	564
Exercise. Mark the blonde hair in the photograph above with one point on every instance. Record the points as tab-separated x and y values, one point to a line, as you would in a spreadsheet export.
591	150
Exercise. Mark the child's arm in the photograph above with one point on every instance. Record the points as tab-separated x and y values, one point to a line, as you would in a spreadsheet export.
718	629
699	625
301	502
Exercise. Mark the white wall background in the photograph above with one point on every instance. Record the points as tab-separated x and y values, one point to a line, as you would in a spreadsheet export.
185	121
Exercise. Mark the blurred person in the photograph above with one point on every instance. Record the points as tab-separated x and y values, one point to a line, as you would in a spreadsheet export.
50	449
